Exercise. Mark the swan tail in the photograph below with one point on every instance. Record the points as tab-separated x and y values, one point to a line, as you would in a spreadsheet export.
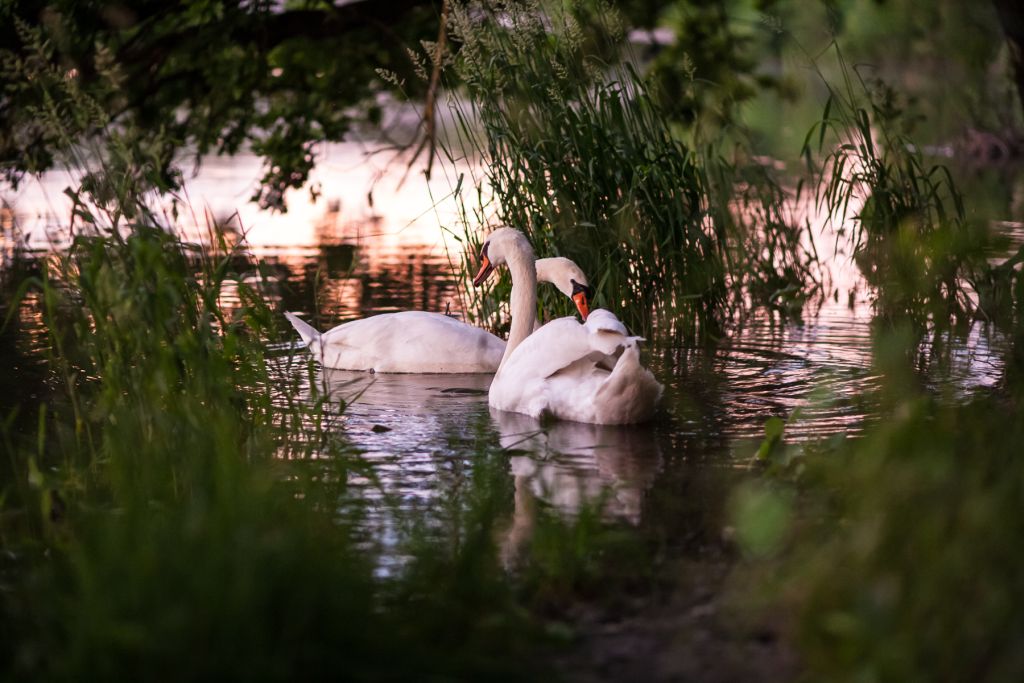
631	393
310	335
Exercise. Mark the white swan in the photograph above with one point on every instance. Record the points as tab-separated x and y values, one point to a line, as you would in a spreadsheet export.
586	373
423	342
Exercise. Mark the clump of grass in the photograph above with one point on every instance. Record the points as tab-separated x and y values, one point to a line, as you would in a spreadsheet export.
892	553
911	237
1000	291
154	511
580	156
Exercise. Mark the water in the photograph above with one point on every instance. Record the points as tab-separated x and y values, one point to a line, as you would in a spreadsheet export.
373	245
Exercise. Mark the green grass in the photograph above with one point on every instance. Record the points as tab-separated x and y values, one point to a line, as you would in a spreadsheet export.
892	555
912	237
579	155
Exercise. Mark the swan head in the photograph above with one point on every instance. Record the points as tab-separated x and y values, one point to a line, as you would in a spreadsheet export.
502	245
506	244
570	280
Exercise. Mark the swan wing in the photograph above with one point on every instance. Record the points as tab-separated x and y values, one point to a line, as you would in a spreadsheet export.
586	373
629	394
564	341
607	333
552	347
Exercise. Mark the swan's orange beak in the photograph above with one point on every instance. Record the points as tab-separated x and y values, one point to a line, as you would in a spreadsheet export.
486	267
580	299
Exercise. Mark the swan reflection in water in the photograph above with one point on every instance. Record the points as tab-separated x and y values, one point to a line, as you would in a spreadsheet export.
564	465
573	463
568	465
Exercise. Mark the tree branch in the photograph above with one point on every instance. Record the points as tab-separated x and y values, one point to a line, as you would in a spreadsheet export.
270	30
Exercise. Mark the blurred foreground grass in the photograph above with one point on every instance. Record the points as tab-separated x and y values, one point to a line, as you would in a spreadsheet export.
896	556
176	516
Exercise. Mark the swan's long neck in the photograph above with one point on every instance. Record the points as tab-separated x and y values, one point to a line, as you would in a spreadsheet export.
523	301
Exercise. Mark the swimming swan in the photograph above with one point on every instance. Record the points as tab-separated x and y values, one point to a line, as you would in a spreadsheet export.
423	342
586	373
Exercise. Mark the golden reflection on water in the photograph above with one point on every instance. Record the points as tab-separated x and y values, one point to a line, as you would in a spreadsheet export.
364	202
371	243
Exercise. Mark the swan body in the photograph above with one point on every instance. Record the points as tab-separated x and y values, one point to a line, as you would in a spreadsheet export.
421	341
587	372
407	341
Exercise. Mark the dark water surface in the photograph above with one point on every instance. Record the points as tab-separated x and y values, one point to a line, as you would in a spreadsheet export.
343	258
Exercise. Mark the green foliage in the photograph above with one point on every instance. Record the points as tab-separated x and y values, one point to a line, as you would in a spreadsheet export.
961	46
720	59
160	454
911	236
217	76
907	569
896	560
582	158
1001	291
774	428
761	514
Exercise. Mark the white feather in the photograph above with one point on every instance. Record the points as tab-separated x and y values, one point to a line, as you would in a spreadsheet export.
578	372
